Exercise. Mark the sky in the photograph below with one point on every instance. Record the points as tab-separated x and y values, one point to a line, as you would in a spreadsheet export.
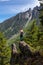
9	8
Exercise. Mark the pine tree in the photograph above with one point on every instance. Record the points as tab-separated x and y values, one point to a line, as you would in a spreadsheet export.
4	51
41	23
31	35
41	12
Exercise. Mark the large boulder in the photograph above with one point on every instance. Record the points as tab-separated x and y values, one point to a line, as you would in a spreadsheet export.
14	49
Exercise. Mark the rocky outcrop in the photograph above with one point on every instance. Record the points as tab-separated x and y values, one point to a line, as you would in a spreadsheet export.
25	56
25	49
14	54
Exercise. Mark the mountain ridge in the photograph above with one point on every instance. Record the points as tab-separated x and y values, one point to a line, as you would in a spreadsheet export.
13	25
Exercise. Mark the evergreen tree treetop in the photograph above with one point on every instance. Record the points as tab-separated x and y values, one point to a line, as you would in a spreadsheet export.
4	51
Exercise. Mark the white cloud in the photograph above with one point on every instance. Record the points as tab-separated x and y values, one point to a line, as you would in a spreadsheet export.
4	0
23	8
36	2
12	9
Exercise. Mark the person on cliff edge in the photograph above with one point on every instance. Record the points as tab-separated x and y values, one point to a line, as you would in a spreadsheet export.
21	35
